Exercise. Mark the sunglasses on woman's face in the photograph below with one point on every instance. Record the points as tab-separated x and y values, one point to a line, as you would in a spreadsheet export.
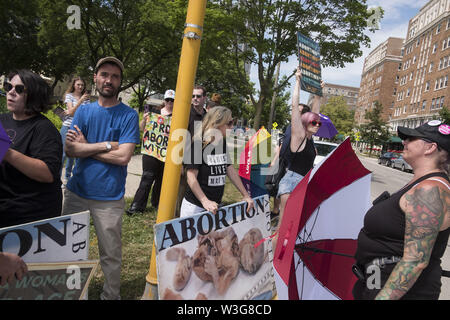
315	123
169	100
19	88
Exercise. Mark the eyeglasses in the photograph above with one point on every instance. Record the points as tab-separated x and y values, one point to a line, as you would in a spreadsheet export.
198	96
19	88
315	123
424	139
169	100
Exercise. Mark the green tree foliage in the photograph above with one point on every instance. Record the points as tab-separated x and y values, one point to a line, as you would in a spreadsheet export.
339	113
268	30
375	132
444	114
18	36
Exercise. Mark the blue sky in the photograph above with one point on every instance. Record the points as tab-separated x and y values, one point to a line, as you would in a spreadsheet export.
397	14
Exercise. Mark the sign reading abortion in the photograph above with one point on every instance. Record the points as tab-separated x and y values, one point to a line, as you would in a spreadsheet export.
64	238
309	58
217	256
156	136
51	281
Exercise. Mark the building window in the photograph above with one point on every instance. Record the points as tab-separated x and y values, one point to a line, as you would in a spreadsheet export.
432	104
427	86
395	91
424	104
435	47
431	67
438	29
442	102
400	66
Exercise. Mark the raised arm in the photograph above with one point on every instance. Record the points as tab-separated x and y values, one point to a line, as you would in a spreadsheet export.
298	132
425	207
315	104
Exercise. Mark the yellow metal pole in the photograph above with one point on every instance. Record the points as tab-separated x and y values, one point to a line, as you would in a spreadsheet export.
181	110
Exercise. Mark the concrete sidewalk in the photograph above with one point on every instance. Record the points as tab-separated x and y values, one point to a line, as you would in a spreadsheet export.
133	176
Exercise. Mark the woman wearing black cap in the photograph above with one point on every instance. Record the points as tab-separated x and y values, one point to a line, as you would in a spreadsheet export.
405	234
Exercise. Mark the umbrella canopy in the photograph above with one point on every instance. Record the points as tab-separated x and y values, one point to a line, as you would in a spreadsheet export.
327	129
5	142
321	222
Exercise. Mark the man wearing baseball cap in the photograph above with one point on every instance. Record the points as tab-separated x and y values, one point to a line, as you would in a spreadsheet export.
103	136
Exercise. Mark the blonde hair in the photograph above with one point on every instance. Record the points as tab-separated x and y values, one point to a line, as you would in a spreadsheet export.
212	121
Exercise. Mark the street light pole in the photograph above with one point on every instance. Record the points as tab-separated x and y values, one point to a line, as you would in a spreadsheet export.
181	110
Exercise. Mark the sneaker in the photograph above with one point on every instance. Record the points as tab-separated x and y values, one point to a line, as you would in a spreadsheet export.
133	209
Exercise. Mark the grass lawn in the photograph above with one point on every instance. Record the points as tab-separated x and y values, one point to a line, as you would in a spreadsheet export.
137	240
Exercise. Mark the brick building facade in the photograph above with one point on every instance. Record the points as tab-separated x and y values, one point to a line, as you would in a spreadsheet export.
378	79
422	80
350	94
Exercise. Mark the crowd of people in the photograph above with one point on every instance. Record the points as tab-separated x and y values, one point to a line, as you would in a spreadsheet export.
405	234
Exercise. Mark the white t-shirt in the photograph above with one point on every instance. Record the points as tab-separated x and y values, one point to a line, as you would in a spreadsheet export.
70	98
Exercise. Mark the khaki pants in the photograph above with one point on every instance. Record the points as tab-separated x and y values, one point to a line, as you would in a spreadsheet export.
107	217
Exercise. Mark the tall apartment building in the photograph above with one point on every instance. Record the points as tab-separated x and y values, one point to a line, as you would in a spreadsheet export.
378	79
422	88
350	94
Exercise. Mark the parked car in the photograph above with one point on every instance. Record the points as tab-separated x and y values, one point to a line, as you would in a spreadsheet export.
400	163
386	158
323	149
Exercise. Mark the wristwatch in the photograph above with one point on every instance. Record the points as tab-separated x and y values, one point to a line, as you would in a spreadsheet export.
108	146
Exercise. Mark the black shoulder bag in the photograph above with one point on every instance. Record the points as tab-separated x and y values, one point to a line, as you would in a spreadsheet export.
273	180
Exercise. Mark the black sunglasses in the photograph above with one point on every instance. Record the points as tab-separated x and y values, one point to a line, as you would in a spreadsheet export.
19	88
198	96
169	100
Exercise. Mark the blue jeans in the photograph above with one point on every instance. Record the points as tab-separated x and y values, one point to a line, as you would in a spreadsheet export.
288	183
70	161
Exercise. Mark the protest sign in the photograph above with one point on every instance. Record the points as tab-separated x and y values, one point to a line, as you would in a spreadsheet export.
213	256
64	238
156	136
309	58
51	281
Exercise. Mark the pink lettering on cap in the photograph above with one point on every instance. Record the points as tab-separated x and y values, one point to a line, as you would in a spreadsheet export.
444	129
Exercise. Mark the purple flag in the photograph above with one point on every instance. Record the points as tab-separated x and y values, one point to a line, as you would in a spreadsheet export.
5	142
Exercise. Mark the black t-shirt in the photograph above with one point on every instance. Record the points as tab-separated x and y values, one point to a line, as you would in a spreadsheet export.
23	199
212	170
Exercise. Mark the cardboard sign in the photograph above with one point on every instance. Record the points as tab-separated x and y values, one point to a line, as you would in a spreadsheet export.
309	58
213	256
51	281
156	136
64	238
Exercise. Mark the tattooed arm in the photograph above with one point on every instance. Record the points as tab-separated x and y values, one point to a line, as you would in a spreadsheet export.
425	207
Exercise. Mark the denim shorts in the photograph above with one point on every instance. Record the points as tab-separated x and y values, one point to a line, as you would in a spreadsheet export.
288	183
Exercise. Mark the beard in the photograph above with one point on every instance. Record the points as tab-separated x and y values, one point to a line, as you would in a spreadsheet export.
111	94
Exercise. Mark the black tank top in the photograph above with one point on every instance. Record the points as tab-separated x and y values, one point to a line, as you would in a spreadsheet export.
383	235
301	162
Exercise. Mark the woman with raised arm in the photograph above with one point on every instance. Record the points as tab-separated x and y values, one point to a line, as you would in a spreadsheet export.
299	148
405	235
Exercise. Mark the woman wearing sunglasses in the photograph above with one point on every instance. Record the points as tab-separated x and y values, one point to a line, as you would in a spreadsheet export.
208	169
405	234
30	185
300	151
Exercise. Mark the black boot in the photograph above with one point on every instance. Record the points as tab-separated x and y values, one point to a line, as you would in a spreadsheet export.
134	209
